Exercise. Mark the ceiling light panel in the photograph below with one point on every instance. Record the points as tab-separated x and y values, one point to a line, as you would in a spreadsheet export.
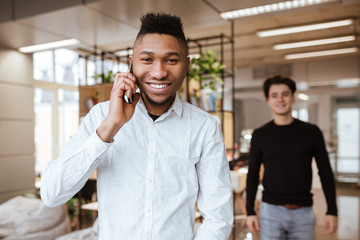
314	42
274	7
304	28
124	53
321	53
50	45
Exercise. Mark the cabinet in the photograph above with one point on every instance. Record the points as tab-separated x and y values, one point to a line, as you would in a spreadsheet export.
95	93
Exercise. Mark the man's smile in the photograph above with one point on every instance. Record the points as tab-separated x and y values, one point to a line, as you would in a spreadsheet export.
158	86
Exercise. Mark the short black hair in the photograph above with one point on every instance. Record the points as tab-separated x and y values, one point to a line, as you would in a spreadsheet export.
278	79
162	23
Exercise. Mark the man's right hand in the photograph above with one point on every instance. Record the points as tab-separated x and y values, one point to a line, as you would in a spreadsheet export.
120	111
252	223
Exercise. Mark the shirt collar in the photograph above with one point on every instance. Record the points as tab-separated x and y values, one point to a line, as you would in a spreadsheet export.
177	106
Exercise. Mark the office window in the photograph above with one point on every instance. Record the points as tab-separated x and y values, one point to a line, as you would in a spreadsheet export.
56	107
91	72
43	66
301	114
82	71
122	67
97	67
66	67
68	115
43	108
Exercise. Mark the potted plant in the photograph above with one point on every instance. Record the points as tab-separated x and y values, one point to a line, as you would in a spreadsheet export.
205	70
204	80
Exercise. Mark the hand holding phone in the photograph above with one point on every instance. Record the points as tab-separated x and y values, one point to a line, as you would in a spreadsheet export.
119	111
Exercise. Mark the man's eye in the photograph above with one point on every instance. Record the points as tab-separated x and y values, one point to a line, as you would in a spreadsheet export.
146	59
172	61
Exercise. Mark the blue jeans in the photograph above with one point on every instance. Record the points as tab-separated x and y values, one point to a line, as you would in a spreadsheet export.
280	223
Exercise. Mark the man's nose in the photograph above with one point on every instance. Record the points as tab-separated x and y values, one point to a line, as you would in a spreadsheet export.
280	98
159	71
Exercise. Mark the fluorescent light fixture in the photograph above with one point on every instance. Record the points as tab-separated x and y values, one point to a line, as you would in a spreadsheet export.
274	7
304	28
124	53
50	45
314	42
303	96
321	53
352	82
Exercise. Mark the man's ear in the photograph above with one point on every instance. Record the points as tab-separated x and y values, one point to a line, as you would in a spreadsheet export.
130	59
187	64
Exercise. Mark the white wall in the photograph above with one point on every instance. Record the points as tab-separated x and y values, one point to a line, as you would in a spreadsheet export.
256	111
16	124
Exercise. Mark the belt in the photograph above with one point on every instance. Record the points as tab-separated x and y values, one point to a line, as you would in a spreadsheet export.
291	206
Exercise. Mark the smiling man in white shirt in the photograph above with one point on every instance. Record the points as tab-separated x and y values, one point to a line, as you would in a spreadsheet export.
155	157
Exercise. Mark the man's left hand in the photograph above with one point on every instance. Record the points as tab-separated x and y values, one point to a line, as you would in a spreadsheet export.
330	224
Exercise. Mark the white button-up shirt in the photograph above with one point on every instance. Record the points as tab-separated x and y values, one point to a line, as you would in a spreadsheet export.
150	177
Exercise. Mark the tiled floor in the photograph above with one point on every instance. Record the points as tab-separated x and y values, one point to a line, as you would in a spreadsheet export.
348	200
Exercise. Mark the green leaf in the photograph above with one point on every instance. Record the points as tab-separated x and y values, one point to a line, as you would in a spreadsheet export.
217	78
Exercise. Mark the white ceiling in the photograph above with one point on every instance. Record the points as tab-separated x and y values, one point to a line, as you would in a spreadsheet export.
113	24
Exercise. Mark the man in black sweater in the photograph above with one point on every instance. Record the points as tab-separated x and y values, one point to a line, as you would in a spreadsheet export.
286	147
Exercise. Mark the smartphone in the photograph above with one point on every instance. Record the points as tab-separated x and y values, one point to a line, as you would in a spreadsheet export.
129	100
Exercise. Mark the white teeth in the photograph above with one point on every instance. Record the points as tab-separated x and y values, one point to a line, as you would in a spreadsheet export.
159	86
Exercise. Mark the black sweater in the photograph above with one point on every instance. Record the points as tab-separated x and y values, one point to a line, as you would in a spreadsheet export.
287	152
